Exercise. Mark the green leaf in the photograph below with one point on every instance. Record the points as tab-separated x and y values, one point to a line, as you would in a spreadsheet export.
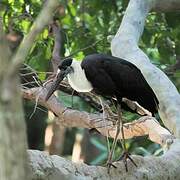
99	145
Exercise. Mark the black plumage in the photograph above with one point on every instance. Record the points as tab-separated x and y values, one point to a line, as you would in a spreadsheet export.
112	76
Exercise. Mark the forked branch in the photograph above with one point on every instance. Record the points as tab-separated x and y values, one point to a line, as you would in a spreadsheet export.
72	118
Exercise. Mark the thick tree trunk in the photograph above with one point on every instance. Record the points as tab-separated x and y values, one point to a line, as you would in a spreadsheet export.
13	164
12	125
12	133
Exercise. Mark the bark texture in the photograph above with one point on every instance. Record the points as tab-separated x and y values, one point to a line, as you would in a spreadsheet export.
47	167
72	118
12	126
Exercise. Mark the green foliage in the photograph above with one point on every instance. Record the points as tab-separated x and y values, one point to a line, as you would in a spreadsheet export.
85	26
74	102
103	151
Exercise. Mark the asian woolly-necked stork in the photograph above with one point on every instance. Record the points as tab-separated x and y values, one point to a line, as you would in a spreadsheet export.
111	77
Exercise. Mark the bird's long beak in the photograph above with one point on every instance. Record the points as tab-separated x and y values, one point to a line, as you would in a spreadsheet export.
60	76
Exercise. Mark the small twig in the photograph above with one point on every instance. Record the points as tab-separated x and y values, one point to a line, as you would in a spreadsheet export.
23	16
83	49
35	106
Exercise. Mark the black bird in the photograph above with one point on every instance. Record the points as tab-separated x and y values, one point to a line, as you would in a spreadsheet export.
108	76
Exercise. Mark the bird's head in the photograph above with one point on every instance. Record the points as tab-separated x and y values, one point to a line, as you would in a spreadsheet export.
64	69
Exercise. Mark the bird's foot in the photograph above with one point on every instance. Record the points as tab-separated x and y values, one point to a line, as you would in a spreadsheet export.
124	157
110	164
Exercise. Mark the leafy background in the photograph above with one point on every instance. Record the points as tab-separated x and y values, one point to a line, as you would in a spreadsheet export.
85	28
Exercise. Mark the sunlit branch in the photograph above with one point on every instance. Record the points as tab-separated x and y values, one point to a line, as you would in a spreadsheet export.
73	118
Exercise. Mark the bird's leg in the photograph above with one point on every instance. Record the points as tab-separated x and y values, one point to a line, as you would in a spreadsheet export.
126	154
119	122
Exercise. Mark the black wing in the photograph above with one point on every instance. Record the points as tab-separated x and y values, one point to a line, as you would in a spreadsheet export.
114	76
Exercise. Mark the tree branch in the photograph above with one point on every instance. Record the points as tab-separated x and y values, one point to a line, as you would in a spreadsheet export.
43	166
42	20
57	45
125	45
72	118
4	51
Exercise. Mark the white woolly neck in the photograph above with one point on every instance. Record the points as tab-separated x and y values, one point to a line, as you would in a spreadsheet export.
77	79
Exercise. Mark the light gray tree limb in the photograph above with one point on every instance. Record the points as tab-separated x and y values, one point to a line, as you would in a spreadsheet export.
125	45
45	167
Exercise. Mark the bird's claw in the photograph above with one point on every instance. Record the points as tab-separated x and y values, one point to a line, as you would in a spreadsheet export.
110	164
124	157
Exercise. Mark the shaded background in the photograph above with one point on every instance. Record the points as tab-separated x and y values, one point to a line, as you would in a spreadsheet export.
84	29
